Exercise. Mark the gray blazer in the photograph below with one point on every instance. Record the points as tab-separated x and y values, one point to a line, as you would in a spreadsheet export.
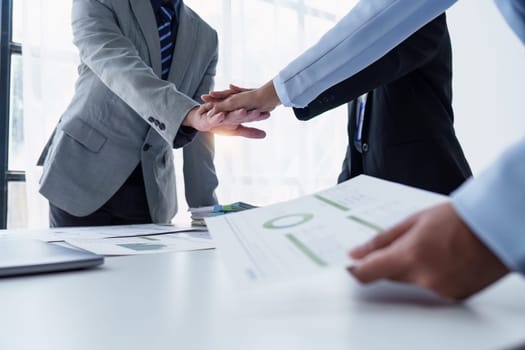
122	113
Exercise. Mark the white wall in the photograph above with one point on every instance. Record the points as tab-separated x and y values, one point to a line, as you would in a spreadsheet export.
489	81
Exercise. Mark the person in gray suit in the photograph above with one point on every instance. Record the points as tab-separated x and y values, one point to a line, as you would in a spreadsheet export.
144	66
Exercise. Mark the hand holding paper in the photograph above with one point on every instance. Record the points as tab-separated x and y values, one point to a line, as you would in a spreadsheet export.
308	234
433	249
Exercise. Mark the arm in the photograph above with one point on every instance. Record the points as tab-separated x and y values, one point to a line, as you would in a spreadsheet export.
115	60
200	180
365	34
461	247
369	31
493	207
405	58
514	13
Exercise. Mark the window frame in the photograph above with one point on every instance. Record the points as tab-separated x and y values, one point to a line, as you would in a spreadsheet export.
7	49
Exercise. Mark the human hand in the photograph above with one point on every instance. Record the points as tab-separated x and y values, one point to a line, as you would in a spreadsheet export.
225	123
434	249
219	96
263	99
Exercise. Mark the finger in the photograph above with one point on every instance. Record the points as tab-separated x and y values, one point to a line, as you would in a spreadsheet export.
383	239
242	116
205	108
221	106
235	102
238	88
214	121
386	263
223	94
237	117
255	115
250	133
209	98
243	131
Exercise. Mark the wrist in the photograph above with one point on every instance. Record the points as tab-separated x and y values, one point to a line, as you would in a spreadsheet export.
190	118
269	95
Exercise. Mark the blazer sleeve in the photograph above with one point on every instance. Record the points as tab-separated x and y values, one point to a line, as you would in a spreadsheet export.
116	62
200	179
366	33
413	53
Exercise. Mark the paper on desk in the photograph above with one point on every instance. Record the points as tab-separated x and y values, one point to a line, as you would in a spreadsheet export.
97	232
184	241
313	232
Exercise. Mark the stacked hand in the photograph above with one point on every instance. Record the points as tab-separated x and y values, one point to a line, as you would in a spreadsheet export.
433	249
225	123
225	112
263	99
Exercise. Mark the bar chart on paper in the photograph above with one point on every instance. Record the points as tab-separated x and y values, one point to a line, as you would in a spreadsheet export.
307	234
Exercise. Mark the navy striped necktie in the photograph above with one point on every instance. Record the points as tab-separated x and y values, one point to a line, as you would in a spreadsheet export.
166	17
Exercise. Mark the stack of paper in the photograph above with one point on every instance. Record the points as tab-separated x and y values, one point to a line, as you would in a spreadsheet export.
199	214
136	245
122	240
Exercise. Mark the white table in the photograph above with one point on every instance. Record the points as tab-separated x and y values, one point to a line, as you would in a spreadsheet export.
187	301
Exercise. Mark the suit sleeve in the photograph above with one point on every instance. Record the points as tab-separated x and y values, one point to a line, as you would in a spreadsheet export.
413	53
200	179
366	33
492	206
116	62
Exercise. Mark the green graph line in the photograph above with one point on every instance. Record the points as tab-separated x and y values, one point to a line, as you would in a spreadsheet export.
273	224
330	202
366	223
303	248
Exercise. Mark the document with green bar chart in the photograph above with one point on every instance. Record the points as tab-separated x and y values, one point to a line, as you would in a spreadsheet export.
304	235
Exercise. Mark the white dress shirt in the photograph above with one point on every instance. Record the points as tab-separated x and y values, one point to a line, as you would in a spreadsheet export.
365	34
493	206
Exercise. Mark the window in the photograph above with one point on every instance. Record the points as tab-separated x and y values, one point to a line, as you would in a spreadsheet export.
256	39
12	203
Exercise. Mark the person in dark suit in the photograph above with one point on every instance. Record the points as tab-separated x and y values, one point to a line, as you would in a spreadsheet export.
400	115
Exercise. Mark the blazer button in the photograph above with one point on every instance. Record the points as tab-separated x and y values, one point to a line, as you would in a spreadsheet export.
365	147
146	147
151	119
162	126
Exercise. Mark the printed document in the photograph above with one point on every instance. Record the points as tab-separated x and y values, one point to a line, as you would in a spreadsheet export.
174	242
96	232
301	236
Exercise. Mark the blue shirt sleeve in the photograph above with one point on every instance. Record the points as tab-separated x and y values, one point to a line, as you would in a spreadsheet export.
493	206
514	12
365	34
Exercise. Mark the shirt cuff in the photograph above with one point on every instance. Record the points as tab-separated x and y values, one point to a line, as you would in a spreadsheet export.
492	206
185	135
280	89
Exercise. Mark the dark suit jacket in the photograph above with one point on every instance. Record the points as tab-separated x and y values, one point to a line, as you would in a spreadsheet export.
408	133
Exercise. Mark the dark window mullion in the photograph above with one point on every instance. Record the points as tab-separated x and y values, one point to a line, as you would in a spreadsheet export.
5	76
15	176
15	48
